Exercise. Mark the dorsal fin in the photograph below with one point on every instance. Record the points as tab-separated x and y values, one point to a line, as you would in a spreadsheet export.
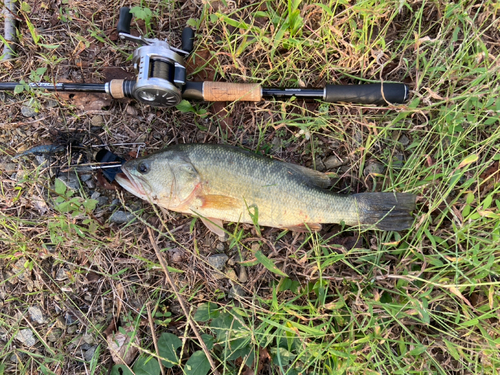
318	179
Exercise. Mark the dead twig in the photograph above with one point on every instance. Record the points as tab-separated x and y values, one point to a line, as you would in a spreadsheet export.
183	303
155	340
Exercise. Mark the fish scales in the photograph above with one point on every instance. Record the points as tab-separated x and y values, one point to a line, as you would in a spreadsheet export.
283	198
226	183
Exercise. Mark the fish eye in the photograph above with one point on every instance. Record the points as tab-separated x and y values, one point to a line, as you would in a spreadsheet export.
143	167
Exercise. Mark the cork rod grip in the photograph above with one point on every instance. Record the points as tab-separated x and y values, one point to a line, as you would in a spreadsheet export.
224	91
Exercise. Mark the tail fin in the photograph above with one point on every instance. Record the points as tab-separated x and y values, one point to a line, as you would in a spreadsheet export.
387	211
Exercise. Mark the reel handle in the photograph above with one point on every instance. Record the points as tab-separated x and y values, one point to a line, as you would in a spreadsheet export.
124	20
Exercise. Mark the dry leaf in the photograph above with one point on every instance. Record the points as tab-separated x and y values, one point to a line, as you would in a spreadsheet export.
119	345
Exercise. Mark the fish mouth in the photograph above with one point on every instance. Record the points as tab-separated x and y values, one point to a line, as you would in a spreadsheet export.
128	182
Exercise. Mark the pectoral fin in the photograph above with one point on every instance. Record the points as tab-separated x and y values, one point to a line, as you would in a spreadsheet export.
305	228
215	225
219	202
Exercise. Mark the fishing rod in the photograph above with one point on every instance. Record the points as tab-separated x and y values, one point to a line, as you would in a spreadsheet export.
161	80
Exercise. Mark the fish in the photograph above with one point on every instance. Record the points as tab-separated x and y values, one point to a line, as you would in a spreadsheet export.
223	183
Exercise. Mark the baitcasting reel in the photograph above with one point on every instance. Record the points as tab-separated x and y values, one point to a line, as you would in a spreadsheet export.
161	68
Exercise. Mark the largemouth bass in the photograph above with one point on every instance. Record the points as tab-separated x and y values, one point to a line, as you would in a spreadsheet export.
224	183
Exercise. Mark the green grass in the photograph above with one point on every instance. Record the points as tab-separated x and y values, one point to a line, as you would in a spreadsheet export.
421	301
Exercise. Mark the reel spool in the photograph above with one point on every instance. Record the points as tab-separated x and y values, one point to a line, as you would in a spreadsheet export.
161	68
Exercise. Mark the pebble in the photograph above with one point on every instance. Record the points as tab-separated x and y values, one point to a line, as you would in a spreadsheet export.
404	140
101	201
3	334
177	256
88	354
97	120
54	335
95	195
61	274
72	329
70	179
121	217
218	261
18	270
37	315
243	277
51	103
90	184
60	322
88	338
373	167
85	177
132	111
231	274
28	111
333	162
26	337
236	291
220	247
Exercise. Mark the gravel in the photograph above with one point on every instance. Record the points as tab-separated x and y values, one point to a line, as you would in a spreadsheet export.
218	261
26	337
236	291
121	217
37	315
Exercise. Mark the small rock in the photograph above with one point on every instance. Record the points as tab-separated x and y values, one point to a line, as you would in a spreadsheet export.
61	274
8	167
26	337
132	111
88	354
220	247
120	348
95	195
51	103
333	162
236	291
70	179
60	322
36	314
277	145
243	277
18	270
231	274
3	334
17	357
88	338
404	140
28	111
72	329
176	256
90	184
101	201
373	167
320	166
121	217
85	177
115	202
218	261
97	120
70	318
54	335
